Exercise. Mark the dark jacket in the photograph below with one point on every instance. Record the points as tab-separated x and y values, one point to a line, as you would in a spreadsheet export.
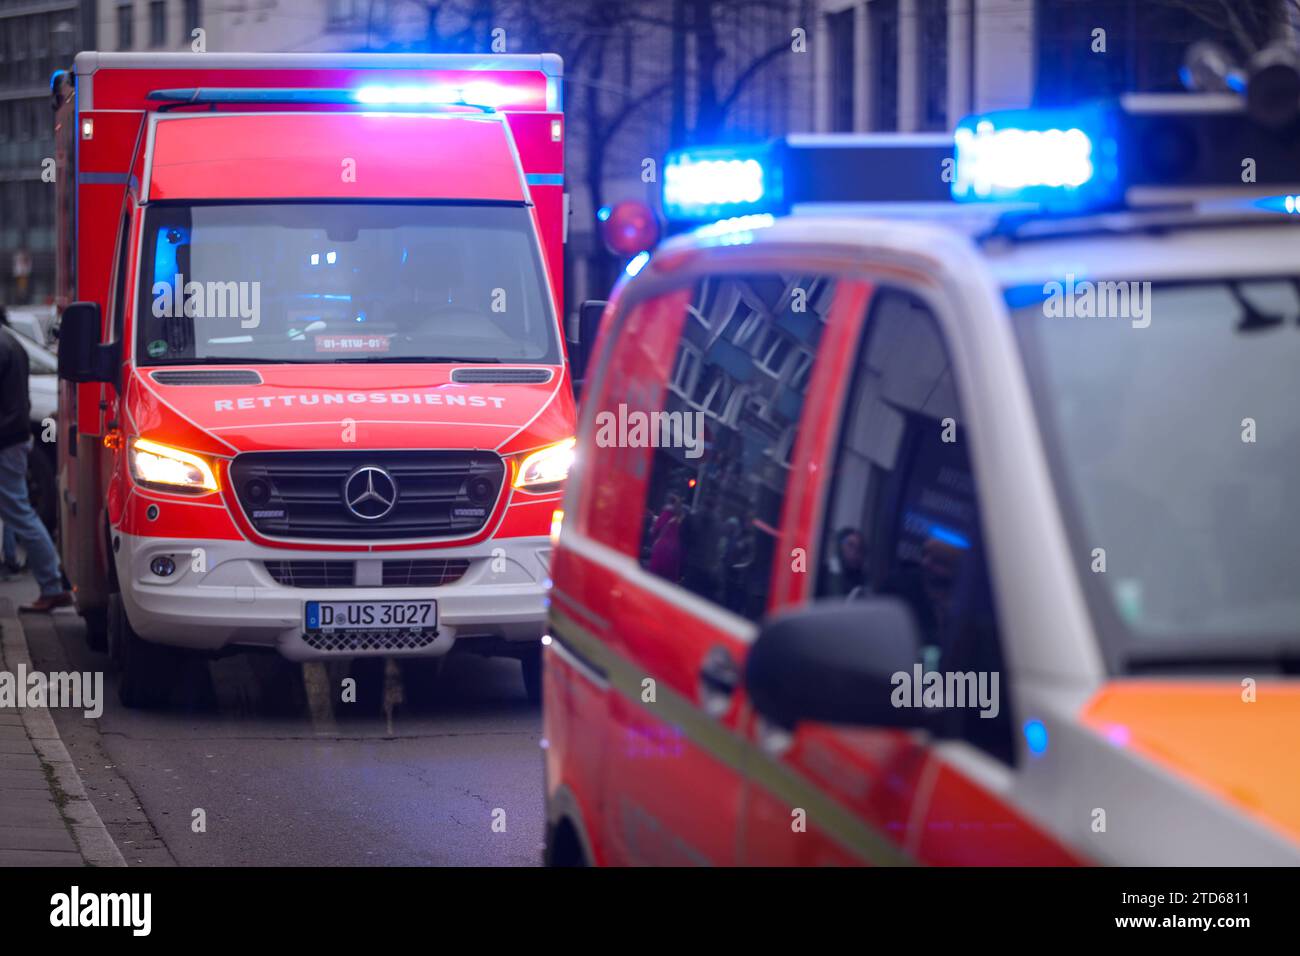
15	400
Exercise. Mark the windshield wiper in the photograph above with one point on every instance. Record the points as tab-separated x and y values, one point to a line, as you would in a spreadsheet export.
225	360
416	360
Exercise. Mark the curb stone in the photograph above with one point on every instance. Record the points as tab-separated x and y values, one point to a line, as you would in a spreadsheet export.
66	789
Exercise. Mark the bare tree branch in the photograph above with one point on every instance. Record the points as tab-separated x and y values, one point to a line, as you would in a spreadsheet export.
750	72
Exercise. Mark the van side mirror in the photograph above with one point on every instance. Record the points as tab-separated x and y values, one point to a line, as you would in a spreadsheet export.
581	344
834	663
82	357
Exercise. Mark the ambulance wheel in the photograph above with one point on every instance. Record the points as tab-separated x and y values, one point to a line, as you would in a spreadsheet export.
96	621
144	670
532	666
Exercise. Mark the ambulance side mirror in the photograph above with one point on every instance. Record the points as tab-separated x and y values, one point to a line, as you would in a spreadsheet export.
834	663
82	357
584	339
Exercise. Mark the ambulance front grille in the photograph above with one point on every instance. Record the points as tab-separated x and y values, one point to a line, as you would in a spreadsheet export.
436	494
416	573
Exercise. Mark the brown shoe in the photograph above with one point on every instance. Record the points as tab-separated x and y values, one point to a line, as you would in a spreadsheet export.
48	602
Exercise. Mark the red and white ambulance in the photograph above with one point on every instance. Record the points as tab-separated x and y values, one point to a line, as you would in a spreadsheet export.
913	530
315	389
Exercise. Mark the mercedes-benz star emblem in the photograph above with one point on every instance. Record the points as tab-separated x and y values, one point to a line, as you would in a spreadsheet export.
369	492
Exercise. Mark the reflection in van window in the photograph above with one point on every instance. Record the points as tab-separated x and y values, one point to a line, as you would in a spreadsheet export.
742	367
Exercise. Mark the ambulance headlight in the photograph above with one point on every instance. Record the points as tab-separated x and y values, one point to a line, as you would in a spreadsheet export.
156	465
546	466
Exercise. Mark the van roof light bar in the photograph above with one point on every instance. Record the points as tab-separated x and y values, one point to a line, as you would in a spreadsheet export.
707	183
1140	151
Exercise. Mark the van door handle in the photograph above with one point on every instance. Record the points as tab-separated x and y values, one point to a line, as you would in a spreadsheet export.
719	678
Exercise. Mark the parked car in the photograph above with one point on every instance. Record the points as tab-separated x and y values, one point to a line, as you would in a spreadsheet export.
43	388
33	322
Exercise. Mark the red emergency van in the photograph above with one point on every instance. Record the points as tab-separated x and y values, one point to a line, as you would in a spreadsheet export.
315	390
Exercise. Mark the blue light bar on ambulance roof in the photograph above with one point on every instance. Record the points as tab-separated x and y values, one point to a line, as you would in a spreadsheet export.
1059	158
478	93
482	96
714	182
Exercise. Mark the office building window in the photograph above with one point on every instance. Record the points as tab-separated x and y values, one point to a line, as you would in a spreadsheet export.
934	64
840	30
884	60
158	23
125	26
193	13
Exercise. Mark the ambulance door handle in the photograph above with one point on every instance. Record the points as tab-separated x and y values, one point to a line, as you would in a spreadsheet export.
719	678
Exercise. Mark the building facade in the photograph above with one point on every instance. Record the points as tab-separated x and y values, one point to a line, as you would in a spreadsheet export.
637	80
36	37
920	65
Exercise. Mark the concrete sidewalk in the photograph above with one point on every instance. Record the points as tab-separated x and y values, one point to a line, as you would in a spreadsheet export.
45	817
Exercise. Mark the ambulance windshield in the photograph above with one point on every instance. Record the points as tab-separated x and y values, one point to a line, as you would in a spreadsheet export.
342	282
1169	412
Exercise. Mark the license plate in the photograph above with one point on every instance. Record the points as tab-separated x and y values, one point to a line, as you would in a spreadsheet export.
371	615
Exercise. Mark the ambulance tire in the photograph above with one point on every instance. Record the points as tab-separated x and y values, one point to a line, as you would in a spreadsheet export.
96	621
144	670
531	660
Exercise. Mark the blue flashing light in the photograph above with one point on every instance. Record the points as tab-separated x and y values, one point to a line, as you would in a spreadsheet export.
1059	158
636	264
950	537
603	213
1036	737
919	524
1288	204
165	264
736	231
718	182
477	93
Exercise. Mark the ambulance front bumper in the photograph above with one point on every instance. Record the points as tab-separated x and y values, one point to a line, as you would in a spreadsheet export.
227	594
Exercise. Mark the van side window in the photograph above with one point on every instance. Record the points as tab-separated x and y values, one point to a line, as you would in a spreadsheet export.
119	292
902	519
732	403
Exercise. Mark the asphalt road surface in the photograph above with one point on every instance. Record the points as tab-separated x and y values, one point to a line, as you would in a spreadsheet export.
416	772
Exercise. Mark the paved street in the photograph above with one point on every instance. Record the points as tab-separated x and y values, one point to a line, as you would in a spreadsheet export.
285	774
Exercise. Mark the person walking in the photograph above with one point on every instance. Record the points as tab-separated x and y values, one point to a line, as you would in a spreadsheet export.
12	565
15	444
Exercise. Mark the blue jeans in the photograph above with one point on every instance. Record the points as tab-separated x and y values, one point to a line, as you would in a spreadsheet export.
17	514
10	546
